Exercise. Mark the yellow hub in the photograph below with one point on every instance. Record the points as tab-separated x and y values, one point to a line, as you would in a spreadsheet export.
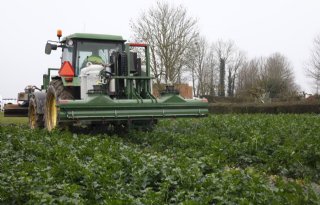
32	117
52	113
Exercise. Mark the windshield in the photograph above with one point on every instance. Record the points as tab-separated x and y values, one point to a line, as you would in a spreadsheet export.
99	51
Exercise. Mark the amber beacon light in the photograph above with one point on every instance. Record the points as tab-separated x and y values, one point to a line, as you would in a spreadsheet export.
59	33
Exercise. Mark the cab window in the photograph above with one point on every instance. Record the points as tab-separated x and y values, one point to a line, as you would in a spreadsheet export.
98	52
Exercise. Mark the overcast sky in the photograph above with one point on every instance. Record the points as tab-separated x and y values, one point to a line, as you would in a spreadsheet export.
259	27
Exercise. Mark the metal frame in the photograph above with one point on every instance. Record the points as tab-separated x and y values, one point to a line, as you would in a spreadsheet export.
46	78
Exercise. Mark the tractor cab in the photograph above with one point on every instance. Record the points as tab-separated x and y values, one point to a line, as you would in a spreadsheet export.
98	63
81	49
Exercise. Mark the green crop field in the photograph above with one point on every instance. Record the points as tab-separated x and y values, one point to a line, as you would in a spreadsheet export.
13	120
222	159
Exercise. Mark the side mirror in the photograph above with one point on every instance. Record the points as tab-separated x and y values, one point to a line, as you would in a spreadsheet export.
49	48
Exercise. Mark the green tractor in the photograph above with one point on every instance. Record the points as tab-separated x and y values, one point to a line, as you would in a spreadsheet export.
102	81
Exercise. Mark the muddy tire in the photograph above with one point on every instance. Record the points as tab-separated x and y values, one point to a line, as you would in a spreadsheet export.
35	118
56	91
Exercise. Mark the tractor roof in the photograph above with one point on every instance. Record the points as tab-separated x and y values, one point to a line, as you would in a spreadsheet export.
92	36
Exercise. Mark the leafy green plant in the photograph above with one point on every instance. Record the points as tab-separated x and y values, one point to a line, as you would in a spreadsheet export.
223	159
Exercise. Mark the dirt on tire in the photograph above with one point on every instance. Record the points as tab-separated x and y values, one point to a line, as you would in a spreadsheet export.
39	122
60	92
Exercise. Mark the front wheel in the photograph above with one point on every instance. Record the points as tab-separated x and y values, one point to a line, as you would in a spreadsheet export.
56	91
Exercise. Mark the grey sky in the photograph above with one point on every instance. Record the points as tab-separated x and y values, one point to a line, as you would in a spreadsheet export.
259	27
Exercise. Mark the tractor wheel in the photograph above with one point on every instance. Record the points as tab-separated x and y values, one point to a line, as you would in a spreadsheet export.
56	91
35	119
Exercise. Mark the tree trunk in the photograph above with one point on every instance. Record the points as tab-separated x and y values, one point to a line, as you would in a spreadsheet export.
222	76
193	83
212	93
233	86
229	84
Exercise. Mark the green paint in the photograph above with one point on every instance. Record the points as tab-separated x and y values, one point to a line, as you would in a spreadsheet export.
75	82
91	36
168	98
95	60
103	107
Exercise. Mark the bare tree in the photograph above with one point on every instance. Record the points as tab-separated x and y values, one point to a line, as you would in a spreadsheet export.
201	65
201	52
272	76
223	51
249	78
238	60
313	66
277	77
210	64
169	31
190	61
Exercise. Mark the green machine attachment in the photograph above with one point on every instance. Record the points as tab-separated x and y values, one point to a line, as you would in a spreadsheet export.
104	81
